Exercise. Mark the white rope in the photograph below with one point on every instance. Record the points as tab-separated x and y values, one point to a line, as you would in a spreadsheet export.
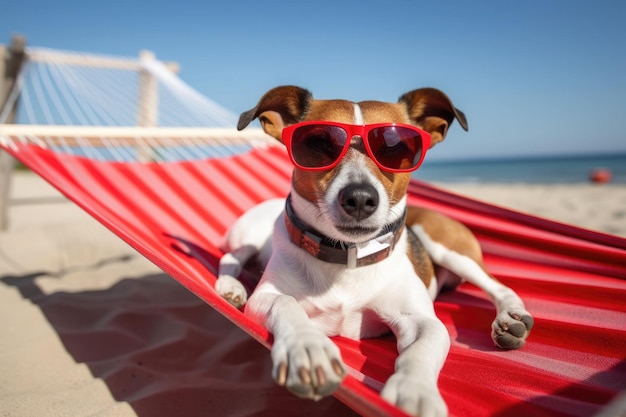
75	109
212	111
41	98
76	89
107	98
25	94
58	105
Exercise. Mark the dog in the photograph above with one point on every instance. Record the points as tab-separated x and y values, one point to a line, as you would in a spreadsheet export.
344	254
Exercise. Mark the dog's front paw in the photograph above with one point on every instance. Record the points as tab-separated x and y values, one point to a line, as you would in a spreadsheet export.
308	363
415	395
511	328
231	290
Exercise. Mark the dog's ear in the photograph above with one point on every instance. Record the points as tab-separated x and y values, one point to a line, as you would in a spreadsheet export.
279	107
432	110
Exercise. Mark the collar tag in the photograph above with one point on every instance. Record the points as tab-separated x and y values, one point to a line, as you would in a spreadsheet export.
371	251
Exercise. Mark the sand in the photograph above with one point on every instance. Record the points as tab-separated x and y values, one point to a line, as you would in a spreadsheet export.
600	207
90	328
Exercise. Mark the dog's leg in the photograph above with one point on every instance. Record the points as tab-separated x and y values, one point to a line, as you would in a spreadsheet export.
513	322
231	265
249	237
305	360
423	343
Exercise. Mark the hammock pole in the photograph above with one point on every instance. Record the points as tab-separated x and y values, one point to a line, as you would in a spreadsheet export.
148	111
11	60
148	103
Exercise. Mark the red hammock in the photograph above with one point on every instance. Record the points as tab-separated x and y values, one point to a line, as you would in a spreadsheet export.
572	280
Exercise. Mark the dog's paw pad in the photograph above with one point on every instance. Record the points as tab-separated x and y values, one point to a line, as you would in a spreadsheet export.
511	328
231	290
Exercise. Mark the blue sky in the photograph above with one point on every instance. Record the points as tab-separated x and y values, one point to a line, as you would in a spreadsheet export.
533	77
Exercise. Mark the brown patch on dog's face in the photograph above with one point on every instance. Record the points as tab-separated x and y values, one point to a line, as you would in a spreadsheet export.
340	111
311	185
395	183
379	112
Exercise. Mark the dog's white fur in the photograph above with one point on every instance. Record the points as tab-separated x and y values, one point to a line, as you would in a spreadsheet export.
303	300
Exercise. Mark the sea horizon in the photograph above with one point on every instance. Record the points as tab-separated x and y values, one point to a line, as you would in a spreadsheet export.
533	169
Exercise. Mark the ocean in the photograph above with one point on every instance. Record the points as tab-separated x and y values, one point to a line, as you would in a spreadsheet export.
539	170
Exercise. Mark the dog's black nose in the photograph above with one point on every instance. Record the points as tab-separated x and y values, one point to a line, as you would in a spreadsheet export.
359	200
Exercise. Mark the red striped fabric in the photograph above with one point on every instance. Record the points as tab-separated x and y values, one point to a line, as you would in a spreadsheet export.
571	279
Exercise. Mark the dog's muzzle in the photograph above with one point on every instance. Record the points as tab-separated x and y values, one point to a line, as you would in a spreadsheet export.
351	254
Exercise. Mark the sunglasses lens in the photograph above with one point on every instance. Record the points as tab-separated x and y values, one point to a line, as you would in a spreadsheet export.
396	147
317	146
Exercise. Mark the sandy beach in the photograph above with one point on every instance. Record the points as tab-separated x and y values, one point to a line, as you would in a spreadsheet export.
90	328
600	207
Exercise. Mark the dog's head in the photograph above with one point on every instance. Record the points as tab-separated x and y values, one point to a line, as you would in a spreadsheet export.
356	198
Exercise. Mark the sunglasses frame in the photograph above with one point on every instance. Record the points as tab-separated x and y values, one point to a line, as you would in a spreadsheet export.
354	130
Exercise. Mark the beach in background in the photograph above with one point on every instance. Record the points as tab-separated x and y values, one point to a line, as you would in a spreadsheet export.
599	207
91	328
557	188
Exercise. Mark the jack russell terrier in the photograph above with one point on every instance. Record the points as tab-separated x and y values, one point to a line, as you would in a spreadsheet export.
344	254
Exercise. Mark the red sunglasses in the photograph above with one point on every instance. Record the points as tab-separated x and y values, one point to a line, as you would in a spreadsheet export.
320	145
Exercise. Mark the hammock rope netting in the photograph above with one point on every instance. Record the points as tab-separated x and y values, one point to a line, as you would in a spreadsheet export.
172	190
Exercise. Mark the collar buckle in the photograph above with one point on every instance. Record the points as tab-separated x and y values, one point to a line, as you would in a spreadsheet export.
370	252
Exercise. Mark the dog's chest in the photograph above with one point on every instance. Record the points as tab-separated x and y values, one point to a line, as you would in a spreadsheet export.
339	320
341	301
346	308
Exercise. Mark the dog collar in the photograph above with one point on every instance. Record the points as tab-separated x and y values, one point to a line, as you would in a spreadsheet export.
352	255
